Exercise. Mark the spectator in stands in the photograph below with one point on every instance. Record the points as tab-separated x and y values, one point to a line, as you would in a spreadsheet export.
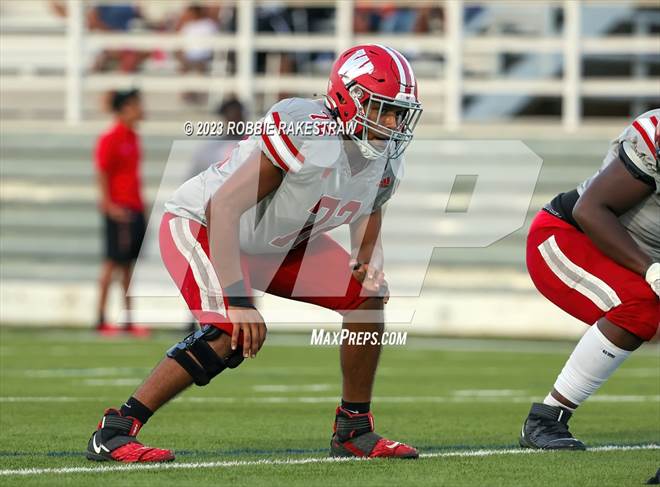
430	20
275	18
118	156
217	150
195	24
385	17
224	14
116	18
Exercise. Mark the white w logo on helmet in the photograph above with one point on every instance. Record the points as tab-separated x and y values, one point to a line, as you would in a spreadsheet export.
356	65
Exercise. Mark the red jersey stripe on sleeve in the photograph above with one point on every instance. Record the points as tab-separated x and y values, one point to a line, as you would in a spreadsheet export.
286	139
644	135
273	153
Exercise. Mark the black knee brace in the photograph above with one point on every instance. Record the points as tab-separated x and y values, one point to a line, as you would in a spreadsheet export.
210	363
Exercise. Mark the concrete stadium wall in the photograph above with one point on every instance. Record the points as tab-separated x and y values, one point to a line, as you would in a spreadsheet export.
50	245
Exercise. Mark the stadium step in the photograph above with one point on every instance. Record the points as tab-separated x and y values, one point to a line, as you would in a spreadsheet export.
49	220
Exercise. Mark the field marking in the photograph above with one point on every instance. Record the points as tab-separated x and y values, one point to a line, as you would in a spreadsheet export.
486	396
119	382
79	373
479	393
139	372
299	461
462	345
639	372
293	388
301	339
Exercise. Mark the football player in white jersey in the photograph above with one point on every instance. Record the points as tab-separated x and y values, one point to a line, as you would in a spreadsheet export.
259	220
595	253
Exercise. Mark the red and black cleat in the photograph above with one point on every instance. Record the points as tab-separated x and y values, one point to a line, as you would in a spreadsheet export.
115	439
353	436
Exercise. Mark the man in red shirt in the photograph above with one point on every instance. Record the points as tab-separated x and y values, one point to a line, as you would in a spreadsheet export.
117	157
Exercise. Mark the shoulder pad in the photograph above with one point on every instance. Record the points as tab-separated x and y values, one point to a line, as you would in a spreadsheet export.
291	137
638	142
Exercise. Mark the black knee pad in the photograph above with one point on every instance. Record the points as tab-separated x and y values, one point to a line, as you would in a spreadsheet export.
210	363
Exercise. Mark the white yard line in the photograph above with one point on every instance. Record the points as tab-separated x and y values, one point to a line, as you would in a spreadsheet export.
119	382
80	373
296	461
293	388
486	396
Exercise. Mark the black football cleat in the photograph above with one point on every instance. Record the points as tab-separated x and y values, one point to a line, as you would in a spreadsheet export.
546	428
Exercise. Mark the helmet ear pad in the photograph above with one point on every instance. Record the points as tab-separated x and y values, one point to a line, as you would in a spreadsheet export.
346	109
359	98
348	104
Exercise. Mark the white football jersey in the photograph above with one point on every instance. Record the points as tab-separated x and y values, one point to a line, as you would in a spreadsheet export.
318	192
638	142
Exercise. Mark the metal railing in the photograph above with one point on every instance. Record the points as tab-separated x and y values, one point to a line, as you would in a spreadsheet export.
449	86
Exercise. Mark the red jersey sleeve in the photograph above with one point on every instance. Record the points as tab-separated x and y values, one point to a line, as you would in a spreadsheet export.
103	154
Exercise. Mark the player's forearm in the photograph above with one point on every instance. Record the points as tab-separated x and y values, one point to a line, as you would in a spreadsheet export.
224	241
370	253
603	227
365	241
246	187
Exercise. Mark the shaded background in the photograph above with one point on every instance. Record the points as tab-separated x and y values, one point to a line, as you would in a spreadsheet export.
564	77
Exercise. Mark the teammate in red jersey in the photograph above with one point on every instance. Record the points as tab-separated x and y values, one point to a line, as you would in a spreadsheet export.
259	220
595	253
118	157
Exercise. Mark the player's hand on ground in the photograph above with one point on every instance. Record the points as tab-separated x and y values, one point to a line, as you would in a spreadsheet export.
372	279
251	323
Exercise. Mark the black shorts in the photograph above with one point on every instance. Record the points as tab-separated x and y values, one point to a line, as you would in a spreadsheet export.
124	239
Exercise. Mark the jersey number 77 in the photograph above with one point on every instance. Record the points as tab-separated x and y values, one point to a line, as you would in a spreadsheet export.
327	206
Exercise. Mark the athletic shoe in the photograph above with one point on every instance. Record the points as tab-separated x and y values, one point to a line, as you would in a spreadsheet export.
107	329
353	436
115	440
546	428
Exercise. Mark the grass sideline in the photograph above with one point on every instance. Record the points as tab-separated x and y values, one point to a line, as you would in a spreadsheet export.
268	423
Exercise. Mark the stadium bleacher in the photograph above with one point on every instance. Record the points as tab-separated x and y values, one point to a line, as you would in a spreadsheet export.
50	229
49	225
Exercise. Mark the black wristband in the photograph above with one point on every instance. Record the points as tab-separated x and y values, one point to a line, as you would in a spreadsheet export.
240	302
238	296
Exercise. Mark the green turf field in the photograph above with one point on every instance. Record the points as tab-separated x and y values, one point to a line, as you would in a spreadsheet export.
268	423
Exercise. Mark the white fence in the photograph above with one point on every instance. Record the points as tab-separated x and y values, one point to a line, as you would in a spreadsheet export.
448	85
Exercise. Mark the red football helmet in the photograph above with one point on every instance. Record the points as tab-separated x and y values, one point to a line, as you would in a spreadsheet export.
373	79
